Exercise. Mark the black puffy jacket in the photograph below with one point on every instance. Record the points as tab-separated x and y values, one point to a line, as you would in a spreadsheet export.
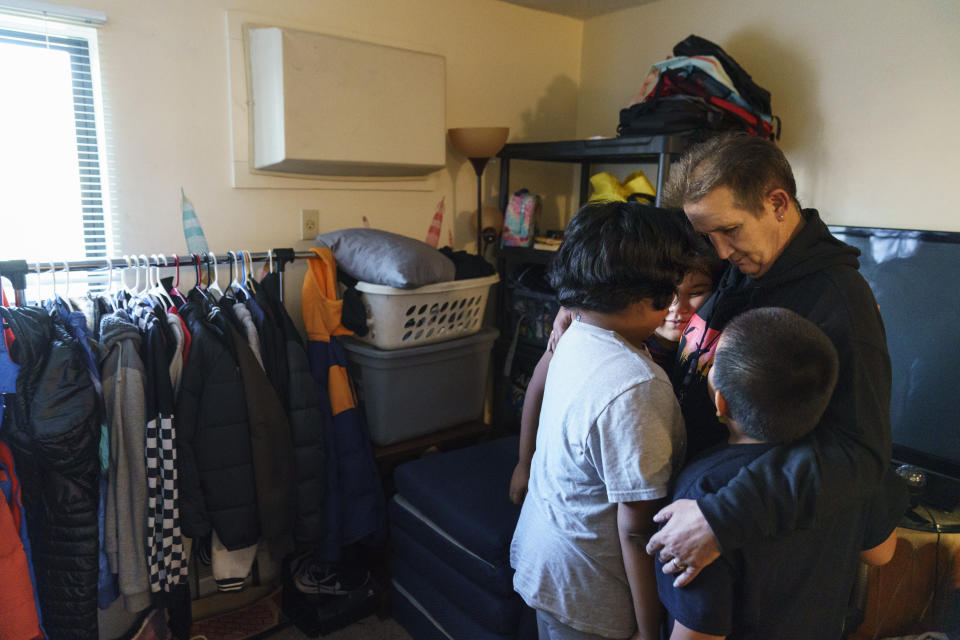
214	452
298	392
53	428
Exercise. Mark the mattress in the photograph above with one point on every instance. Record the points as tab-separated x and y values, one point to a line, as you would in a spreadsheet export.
465	493
496	612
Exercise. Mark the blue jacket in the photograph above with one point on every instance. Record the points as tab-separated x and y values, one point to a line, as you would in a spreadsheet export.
355	507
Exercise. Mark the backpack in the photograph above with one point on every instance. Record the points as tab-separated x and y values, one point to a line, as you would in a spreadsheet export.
691	81
694	117
699	93
754	94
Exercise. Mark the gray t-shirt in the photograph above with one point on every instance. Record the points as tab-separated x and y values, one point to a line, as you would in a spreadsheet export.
610	431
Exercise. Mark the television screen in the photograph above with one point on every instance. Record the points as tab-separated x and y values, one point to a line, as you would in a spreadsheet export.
914	276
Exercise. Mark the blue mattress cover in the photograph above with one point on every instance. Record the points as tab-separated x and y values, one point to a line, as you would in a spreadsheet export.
497	578
465	492
493	611
410	588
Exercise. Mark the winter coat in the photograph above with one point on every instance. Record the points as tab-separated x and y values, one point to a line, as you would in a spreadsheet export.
123	379
166	563
19	609
269	317
53	428
272	446
300	395
215	457
842	459
76	325
355	507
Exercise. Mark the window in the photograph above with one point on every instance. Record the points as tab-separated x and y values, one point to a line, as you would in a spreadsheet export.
53	187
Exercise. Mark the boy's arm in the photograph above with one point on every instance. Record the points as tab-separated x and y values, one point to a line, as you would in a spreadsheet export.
529	424
635	525
680	632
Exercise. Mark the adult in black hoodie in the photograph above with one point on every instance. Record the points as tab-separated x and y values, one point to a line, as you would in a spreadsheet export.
740	192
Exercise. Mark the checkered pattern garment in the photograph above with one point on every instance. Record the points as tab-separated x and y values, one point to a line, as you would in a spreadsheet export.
164	543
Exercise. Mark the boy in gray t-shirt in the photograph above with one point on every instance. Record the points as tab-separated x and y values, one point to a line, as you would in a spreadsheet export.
610	430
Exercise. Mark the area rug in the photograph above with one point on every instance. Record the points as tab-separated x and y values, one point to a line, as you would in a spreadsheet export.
249	622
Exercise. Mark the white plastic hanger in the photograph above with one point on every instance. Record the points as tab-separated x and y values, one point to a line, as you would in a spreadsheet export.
109	293
249	281
234	285
158	291
53	276
123	272
36	266
66	297
212	287
143	264
242	273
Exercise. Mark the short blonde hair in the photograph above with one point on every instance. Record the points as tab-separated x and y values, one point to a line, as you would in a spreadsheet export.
750	166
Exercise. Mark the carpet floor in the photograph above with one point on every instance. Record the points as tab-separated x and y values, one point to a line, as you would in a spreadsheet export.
369	628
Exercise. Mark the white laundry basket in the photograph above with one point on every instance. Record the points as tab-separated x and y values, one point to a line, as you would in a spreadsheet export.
399	318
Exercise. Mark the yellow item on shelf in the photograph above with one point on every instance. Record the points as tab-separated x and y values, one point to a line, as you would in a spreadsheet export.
606	186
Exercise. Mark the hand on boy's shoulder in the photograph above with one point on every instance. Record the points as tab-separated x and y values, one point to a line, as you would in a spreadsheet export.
685	543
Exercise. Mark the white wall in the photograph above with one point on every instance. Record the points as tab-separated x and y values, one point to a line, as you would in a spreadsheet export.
165	79
868	91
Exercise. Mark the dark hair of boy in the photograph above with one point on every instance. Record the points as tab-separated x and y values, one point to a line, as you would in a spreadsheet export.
777	371
617	253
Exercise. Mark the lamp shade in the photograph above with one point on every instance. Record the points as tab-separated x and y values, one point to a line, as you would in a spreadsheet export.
479	142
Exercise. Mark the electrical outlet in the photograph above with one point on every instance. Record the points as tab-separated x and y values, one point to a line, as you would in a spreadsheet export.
309	223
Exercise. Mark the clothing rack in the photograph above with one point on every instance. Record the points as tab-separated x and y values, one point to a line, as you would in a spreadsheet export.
17	270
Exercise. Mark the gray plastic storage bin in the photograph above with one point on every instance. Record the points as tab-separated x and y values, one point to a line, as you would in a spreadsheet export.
411	392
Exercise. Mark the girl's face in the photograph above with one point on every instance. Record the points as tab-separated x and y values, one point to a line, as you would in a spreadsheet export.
691	293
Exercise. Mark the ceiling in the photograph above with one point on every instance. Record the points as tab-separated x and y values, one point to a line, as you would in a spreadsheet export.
582	9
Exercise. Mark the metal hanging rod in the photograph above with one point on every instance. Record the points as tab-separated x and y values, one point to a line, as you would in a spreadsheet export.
10	268
17	270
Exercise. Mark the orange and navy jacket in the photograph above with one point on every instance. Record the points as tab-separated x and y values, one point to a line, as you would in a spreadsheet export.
355	507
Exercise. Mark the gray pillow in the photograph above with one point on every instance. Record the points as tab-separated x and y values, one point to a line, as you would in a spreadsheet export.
381	257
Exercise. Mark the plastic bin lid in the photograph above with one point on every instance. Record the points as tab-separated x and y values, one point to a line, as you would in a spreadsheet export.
438	287
486	334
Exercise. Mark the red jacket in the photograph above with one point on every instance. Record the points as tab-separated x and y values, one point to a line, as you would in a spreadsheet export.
18	609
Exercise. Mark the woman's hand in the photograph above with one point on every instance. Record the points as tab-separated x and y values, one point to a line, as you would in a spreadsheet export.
560	324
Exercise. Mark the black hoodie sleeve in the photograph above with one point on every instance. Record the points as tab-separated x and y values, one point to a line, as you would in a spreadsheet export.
844	458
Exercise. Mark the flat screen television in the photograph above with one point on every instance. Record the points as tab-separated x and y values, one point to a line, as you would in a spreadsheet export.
914	276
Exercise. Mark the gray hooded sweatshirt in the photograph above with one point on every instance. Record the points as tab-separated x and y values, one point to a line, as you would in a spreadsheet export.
125	536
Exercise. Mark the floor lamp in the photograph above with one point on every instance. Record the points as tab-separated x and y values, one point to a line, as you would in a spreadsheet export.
479	144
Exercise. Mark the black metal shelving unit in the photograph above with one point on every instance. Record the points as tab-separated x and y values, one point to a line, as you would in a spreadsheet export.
648	149
513	260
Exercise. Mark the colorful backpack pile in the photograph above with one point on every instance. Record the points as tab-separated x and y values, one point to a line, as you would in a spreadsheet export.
700	90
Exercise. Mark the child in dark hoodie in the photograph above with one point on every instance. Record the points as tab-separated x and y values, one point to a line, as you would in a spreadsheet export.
796	585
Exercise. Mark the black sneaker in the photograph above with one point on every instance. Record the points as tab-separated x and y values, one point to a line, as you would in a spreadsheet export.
323	579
